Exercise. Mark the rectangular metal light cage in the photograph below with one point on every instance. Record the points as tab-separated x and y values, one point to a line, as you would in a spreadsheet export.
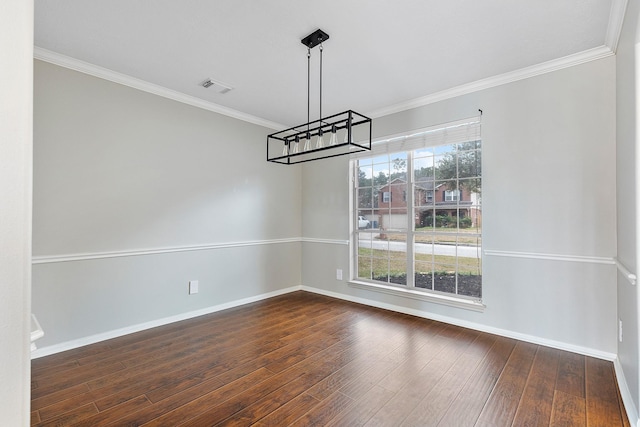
352	134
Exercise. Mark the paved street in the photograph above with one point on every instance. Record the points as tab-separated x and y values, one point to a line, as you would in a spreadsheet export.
424	248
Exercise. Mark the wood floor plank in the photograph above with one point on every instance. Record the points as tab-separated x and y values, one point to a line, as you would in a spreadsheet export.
265	399
192	401
273	401
504	399
237	366
59	396
61	382
289	412
117	412
603	408
362	410
72	417
466	408
67	405
434	404
412	389
37	372
65	356
536	402
570	378
325	411
304	359
568	410
171	378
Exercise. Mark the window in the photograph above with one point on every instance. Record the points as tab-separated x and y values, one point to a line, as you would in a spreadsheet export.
429	196
423	245
451	195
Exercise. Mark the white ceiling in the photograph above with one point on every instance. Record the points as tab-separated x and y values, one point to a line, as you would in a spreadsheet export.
382	55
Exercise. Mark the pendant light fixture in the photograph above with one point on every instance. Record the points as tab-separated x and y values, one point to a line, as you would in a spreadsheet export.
294	145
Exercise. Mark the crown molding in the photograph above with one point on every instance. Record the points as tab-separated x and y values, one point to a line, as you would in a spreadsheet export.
616	19
501	79
618	8
123	79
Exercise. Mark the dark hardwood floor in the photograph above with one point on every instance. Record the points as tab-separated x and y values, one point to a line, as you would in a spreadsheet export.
304	359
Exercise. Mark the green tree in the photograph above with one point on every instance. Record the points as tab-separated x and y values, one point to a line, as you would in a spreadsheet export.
399	169
363	181
462	166
424	173
365	198
381	180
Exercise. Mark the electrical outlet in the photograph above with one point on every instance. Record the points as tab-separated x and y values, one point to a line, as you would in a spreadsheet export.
193	287
339	274
620	330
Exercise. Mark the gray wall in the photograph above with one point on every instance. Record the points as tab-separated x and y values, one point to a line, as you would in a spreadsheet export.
16	73
119	171
548	188
627	189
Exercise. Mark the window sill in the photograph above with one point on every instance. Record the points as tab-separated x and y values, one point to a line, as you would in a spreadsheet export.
467	304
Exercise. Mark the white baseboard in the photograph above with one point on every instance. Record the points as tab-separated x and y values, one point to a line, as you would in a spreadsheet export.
80	342
471	325
627	399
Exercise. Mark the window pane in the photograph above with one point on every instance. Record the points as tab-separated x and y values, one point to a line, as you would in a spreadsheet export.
469	164
424	272
470	285
364	265
445	149
469	145
365	174
398	190
365	198
382	259
444	277
471	188
365	219
398	262
398	163
426	217
445	166
395	221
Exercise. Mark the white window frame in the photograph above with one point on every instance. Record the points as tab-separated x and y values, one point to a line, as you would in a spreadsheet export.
407	143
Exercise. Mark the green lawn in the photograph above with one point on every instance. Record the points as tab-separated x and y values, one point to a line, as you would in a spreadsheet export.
379	261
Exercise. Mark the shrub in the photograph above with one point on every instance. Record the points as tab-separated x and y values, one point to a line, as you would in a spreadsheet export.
465	222
445	221
426	220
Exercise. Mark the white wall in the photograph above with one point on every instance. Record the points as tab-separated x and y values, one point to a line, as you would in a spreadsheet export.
628	75
119	171
548	187
16	72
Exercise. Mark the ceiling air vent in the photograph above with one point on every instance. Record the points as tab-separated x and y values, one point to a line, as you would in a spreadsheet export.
216	86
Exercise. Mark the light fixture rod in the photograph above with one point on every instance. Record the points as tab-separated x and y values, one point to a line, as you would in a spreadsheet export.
320	81
309	87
